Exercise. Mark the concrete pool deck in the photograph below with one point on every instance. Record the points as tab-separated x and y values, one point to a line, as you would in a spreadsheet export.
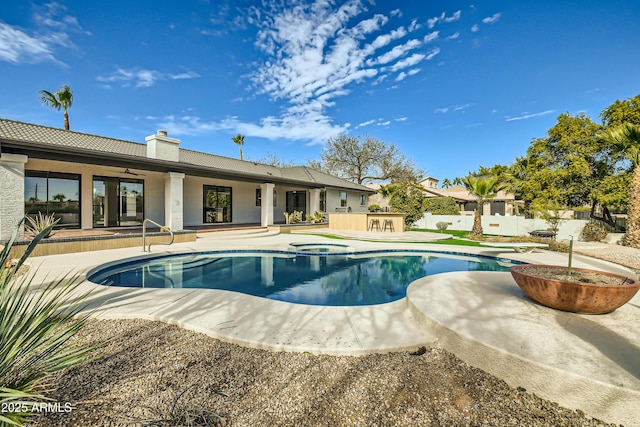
582	362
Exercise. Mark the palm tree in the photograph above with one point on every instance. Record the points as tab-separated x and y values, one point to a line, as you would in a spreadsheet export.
446	183
483	188
519	180
239	140
626	142
61	99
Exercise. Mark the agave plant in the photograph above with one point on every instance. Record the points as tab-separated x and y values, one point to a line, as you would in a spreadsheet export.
38	224
37	333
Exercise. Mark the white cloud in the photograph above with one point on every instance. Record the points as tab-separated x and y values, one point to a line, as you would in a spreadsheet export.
408	62
431	37
401	119
143	78
315	54
452	108
443	18
475	28
454	36
492	19
53	31
526	115
387	123
432	53
367	123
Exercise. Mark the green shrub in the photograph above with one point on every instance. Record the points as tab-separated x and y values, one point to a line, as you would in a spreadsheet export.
441	225
375	208
37	332
441	206
593	232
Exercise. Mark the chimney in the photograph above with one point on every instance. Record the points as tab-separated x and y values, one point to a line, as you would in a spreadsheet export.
160	146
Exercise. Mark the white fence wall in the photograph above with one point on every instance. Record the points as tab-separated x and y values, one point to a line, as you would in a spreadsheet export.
502	225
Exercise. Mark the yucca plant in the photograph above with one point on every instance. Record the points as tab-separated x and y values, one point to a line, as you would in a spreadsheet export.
37	331
38	224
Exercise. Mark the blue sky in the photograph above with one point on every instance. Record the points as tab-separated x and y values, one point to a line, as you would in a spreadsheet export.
454	84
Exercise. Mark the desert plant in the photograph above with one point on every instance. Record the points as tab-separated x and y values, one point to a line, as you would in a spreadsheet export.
39	223
37	330
375	208
593	232
316	218
293	217
184	412
441	225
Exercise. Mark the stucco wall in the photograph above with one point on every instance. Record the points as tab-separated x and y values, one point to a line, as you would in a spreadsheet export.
244	209
502	225
353	201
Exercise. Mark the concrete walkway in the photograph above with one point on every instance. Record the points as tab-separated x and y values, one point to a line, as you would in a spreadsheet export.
582	362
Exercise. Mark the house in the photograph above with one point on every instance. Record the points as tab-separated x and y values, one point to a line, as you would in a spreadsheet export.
90	181
503	204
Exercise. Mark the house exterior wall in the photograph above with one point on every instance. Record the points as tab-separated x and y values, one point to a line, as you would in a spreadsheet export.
243	196
353	201
244	209
12	168
153	187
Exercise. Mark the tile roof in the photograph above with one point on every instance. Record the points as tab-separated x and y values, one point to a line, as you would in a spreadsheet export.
29	133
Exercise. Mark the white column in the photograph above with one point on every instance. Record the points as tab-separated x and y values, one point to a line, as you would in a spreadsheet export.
266	210
314	203
173	200
11	193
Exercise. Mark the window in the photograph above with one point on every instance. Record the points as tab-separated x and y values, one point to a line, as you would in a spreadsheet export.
343	199
259	197
323	200
363	200
52	193
216	204
117	202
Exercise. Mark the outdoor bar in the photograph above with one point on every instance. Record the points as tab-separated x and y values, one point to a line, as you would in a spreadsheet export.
367	221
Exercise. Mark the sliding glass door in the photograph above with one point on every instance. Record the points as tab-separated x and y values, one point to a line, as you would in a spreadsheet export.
216	204
117	202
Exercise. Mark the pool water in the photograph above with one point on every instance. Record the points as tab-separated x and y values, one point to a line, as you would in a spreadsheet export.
334	280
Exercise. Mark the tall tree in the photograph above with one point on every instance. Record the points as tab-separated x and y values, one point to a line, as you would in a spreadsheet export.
368	160
62	99
405	197
626	140
621	112
239	141
483	188
446	183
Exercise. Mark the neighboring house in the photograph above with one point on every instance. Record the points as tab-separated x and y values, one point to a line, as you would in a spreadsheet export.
503	204
92	181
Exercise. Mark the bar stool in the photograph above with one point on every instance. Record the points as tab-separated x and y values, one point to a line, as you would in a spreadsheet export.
388	223
374	223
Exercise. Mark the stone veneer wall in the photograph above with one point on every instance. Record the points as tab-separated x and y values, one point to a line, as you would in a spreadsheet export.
11	193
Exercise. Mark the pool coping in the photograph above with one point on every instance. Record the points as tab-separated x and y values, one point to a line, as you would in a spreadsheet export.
402	325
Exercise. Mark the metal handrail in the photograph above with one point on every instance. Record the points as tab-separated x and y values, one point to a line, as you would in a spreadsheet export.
144	233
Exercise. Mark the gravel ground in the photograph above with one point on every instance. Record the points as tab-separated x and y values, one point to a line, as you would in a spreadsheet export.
142	366
151	373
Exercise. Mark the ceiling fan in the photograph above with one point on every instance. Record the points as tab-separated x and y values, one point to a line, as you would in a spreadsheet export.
128	172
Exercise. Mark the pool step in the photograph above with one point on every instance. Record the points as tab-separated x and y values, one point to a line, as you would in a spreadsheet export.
251	233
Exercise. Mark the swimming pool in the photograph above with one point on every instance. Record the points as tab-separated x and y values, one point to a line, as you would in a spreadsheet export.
362	278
